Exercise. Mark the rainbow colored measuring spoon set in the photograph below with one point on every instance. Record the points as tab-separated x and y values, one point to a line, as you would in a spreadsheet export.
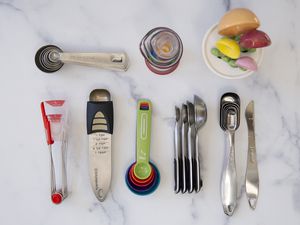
142	177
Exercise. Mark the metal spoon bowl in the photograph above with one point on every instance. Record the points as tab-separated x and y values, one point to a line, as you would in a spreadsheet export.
200	112
47	58
100	95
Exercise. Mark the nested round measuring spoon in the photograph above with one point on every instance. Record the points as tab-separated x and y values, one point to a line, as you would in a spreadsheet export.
142	177
50	58
229	122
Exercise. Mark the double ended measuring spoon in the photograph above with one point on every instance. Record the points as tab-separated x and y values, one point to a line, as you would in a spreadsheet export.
51	58
100	130
252	178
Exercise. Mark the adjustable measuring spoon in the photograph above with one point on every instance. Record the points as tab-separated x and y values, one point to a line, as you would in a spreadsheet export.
100	129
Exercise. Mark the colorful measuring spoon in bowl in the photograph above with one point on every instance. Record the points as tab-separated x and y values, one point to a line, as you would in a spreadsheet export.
142	177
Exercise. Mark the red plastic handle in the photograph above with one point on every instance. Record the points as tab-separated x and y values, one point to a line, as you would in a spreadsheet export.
46	125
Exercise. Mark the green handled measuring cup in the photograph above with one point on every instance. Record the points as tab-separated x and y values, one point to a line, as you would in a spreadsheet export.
142	168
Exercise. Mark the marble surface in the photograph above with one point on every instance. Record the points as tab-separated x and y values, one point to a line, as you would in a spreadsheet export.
119	25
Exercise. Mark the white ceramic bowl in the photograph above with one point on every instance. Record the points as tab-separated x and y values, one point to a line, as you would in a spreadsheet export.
218	66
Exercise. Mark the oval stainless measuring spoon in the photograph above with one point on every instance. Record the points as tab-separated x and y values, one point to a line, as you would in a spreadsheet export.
229	122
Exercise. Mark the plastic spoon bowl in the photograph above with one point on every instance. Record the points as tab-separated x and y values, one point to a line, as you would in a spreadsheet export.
142	170
136	182
139	181
151	187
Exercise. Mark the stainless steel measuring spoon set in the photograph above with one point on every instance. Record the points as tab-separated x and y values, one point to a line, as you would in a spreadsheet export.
189	119
187	176
229	122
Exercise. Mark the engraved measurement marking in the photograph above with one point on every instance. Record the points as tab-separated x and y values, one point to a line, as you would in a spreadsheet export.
252	154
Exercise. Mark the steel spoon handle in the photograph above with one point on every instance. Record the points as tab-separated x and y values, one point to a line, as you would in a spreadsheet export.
52	172
184	160
197	169
252	178
229	177
177	152
191	152
110	61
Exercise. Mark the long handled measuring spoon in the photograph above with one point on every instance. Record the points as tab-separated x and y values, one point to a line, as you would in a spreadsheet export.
142	168
50	58
142	177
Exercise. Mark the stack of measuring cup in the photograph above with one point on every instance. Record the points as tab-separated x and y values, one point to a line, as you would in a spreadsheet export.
142	177
162	49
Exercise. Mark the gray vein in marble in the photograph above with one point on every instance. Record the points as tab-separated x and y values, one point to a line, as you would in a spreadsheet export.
112	209
265	85
121	208
194	213
131	85
106	212
293	136
10	5
293	48
44	37
14	8
227	4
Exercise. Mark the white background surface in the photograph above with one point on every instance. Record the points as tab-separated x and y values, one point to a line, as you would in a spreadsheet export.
119	25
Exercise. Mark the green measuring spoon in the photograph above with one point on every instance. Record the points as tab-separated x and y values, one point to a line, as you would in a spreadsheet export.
142	169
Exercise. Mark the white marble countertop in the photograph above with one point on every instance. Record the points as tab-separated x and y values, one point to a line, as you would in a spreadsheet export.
119	25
